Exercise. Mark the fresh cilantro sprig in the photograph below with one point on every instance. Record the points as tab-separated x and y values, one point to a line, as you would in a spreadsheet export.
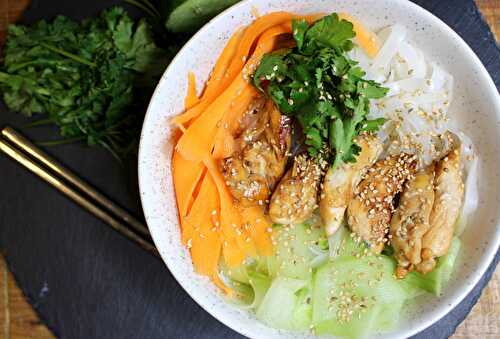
92	79
318	84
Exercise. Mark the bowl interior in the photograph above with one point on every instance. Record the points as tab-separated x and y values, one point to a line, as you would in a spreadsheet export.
476	109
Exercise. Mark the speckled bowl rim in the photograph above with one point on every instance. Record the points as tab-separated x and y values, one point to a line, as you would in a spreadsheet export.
487	257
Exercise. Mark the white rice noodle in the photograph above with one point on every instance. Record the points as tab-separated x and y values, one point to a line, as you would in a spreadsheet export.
414	59
416	105
405	85
389	49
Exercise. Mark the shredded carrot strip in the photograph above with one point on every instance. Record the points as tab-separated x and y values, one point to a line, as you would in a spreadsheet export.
191	96
224	145
205	244
223	139
197	141
258	224
230	219
250	36
186	175
214	85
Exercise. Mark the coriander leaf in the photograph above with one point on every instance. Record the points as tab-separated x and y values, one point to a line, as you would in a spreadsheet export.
371	89
280	98
356	73
121	28
341	65
313	138
331	32
326	108
318	84
271	66
300	96
372	125
299	28
85	76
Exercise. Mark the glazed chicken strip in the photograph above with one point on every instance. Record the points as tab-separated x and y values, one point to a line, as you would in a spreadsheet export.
252	172
339	183
295	198
449	196
369	212
410	222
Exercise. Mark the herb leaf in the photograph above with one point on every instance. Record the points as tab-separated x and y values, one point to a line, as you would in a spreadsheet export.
92	79
299	29
331	32
317	83
271	67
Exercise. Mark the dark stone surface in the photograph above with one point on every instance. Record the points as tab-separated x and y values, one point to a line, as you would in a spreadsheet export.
85	280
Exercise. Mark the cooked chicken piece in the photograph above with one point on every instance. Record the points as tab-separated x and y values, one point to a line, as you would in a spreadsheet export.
448	141
369	212
410	222
295	198
252	172
449	196
340	182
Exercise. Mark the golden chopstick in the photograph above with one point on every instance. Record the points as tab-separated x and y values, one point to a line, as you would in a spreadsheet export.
25	145
76	196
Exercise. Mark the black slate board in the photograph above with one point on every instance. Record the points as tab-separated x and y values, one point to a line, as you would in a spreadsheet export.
85	280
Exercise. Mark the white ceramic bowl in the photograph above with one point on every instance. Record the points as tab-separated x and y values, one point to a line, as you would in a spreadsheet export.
476	107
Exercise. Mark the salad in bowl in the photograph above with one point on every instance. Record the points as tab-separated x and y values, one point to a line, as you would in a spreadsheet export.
322	182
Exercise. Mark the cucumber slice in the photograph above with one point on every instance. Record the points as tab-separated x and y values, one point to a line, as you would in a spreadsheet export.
293	252
249	284
357	328
344	244
192	14
260	284
388	316
352	295
271	266
278	308
238	274
435	281
302	315
243	295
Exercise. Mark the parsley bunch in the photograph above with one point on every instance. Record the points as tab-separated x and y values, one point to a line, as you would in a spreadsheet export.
318	84
92	79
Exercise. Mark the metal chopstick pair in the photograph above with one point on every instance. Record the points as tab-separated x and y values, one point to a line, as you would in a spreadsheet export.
50	170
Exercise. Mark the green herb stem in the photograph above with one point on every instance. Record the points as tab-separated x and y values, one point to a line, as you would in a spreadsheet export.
68	55
40	122
93	96
146	6
60	141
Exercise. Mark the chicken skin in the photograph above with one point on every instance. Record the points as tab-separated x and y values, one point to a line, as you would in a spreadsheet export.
339	183
410	221
295	198
370	211
449	196
252	172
